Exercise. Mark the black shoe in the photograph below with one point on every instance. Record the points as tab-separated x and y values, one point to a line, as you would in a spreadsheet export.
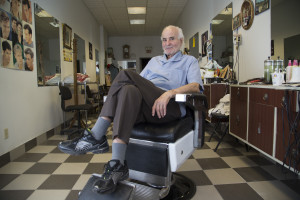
113	173
84	144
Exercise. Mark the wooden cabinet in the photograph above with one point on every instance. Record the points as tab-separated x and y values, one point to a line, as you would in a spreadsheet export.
238	111
214	92
261	119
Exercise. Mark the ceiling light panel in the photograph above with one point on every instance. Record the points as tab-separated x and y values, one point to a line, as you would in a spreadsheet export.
136	10
217	21
137	21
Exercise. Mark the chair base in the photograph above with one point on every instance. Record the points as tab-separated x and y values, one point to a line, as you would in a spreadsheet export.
182	189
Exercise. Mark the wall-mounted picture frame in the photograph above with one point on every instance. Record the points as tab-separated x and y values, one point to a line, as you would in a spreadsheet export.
67	36
90	51
204	39
110	52
261	6
236	21
247	14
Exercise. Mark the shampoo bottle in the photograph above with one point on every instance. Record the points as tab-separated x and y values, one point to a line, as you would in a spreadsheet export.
289	71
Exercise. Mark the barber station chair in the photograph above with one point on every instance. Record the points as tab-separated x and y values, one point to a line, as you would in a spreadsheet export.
155	152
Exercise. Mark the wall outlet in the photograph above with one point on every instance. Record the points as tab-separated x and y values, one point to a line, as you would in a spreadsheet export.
237	39
6	133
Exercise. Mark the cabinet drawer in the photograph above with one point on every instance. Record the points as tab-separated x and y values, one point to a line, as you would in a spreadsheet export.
262	96
238	94
291	96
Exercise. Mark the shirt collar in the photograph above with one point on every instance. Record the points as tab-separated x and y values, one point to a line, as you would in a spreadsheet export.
176	57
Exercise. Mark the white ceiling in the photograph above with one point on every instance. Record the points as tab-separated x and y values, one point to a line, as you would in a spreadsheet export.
113	15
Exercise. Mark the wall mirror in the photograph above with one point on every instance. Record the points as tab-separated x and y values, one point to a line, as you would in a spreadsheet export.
47	47
285	33
222	43
81	62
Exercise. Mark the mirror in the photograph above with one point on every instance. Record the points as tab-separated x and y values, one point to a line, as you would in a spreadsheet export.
81	62
285	33
222	43
47	47
97	66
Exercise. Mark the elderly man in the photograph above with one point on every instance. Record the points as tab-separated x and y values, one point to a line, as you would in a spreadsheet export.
134	98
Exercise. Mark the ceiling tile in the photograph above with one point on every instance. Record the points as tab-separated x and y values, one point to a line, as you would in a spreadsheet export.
118	13
136	3
113	15
157	3
115	3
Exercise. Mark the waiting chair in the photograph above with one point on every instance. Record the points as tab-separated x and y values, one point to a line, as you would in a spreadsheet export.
66	94
93	99
155	152
218	118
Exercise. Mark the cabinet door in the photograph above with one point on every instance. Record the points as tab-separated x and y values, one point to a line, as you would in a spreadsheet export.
238	111
261	126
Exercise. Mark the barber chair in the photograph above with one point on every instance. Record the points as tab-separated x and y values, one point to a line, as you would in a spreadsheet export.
155	152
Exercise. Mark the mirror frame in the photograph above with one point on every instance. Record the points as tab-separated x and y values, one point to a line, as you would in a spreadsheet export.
246	22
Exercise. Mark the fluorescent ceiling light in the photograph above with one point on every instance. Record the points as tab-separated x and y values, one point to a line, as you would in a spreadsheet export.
226	11
136	10
43	13
137	21
217	21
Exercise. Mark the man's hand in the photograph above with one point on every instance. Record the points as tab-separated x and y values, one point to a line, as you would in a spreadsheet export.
160	105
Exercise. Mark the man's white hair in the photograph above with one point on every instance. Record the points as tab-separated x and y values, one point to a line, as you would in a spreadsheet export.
180	35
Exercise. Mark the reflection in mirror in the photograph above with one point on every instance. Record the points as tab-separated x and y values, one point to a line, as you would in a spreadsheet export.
48	51
222	43
97	66
81	63
285	30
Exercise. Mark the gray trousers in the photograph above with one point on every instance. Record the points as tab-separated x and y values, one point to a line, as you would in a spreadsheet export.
130	100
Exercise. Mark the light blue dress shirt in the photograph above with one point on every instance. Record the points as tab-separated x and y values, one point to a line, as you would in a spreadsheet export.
173	73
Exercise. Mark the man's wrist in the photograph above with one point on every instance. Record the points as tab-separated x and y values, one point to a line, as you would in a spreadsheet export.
172	93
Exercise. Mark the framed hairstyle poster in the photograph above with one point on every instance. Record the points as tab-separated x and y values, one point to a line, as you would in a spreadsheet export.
247	12
261	6
67	36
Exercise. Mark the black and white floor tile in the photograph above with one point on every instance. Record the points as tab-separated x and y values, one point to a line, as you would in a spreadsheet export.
230	173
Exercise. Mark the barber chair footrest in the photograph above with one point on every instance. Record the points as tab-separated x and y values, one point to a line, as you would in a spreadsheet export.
125	191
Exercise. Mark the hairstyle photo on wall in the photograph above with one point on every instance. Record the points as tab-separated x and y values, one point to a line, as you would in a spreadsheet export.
204	38
15	33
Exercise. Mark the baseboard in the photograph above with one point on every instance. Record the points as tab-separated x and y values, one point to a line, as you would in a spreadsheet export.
22	149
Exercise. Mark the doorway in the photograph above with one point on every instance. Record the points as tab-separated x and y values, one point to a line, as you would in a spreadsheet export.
144	62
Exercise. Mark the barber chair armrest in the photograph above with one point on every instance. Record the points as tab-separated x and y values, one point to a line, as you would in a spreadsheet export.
198	103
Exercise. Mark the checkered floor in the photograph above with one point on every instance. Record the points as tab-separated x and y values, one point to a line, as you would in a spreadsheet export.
230	173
